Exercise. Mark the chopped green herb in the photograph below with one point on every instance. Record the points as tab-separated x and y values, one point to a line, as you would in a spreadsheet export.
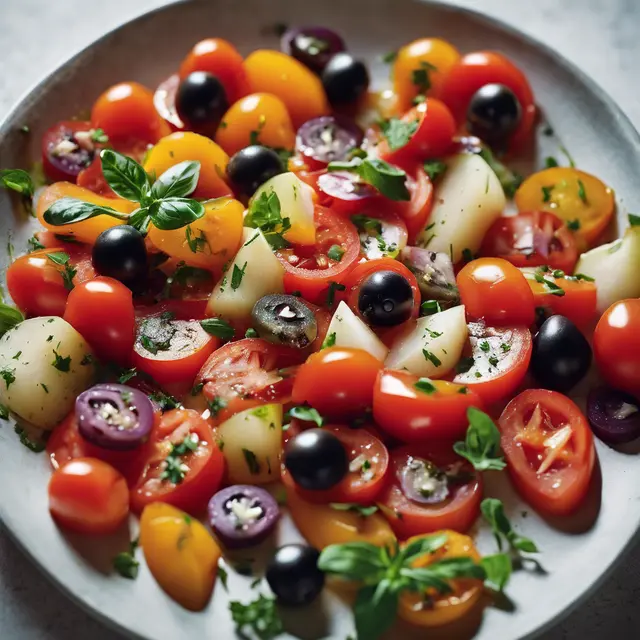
306	413
223	576
335	252
574	225
582	276
68	273
252	461
4	412
356	508
582	193
175	469
34	243
197	388
216	405
365	223
425	385
505	347
546	192
164	400
429	307
420	77
195	244
484	346
127	375
60	363
390	57
250	333
493	361
428	355
329	341
467	255
398	132
218	327
125	562
550	162
259	616
493	512
482	443
265	214
331	293
434	169
32	445
237	275
634	220
387	179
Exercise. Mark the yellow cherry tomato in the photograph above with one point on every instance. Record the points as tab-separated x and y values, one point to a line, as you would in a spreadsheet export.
181	146
258	118
208	242
321	525
298	87
576	197
86	230
180	553
420	68
443	608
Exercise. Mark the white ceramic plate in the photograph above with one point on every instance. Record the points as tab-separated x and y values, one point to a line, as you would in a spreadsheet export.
576	554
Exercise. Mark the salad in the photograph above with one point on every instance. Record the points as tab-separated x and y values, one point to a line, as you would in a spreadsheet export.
264	288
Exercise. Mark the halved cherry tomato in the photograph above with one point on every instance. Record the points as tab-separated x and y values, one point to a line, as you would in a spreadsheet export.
574	196
60	163
494	290
383	233
422	412
88	496
337	381
549	450
368	458
164	100
496	360
126	111
434	128
443	608
532	239
171	351
416	211
473	71
200	469
221	58
180	553
309	270
616	344
461	486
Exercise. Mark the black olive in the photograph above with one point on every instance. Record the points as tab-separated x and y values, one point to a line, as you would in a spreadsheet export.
345	79
385	299
285	320
293	574
561	354
201	100
494	113
120	253
316	459
252	167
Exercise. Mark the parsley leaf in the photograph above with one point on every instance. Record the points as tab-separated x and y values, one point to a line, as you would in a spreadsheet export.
60	363
356	508
428	355
390	57
216	405
574	225
252	461
218	327
34	243
430	307
420	77
546	192
237	275
398	132
425	385
329	341
634	220
265	214
434	169
62	259
260	616
331	294
125	562
335	252
175	470
582	192
482	442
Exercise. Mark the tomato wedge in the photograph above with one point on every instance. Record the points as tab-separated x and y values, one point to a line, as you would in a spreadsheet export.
549	450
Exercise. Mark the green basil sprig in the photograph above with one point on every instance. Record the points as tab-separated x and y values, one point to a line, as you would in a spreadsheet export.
163	203
481	446
387	179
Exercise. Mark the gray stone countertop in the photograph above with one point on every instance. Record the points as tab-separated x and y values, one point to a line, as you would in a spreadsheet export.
600	36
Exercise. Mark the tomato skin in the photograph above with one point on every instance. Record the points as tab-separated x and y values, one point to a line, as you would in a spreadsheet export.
205	466
337	381
88	496
412	415
408	518
616	344
416	212
110	335
493	289
558	491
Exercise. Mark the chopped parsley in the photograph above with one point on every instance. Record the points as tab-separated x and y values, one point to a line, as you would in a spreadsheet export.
434	169
546	192
60	363
484	346
493	361
331	293
398	132
550	162
425	385
307	414
355	508
420	77
127	374
68	273
259	616
196	244
175	469
428	355
388	179
430	307
574	225
464	365
265	214
252	461
505	347
237	275
389	57
335	252
329	341
218	327
250	333
197	388
582	192
216	405
164	400
125	562
34	243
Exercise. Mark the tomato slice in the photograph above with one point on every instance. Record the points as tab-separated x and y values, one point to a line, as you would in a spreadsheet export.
532	239
430	488
368	465
423	412
192	477
495	361
549	450
310	270
416	211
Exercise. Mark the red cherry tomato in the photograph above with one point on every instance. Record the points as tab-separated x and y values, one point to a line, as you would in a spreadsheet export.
549	450
417	210
64	155
616	344
455	498
493	289
423	411
369	459
309	270
102	312
337	381
88	496
200	471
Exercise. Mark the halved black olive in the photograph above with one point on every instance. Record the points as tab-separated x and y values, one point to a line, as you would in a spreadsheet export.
283	319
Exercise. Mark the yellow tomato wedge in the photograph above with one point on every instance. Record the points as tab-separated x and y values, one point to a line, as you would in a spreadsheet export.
86	230
180	553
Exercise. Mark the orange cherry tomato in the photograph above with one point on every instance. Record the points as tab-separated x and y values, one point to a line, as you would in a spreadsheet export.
200	471
421	412
473	71
430	488
126	111
616	344
298	87
549	450
186	145
447	607
495	290
260	118
574	196
337	381
88	496
430	57
221	58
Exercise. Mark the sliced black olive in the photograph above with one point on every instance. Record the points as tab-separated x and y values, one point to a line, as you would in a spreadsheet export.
345	79
283	319
494	113
120	253
385	299
434	272
252	167
614	415
201	100
293	574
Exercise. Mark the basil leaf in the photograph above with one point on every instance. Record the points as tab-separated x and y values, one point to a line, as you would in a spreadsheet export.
355	508
509	180
176	182
124	175
482	443
218	327
70	210
9	317
398	132
175	213
352	561
423	546
493	512
17	180
387	179
498	568
375	609
306	413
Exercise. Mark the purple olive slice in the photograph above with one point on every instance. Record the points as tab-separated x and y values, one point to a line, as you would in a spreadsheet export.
243	515
313	46
114	416
614	415
345	186
328	139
